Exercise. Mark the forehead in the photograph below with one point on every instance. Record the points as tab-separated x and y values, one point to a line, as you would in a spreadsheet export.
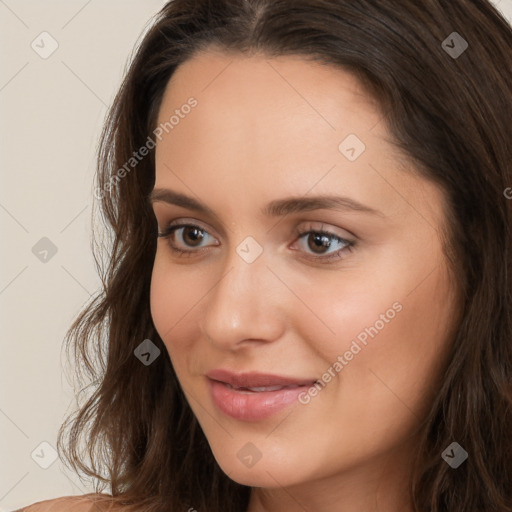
228	77
257	110
263	127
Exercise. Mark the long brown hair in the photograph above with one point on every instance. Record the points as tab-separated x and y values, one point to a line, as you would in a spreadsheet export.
450	113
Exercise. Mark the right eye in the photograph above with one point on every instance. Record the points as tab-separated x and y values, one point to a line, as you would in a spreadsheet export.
188	234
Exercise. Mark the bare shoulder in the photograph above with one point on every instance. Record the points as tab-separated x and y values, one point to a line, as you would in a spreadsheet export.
86	503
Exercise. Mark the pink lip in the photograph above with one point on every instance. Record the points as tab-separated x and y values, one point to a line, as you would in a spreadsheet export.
247	405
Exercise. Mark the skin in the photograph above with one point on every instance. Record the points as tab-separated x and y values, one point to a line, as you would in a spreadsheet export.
266	129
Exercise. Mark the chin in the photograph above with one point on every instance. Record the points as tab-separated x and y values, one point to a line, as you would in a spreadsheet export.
259	476
270	471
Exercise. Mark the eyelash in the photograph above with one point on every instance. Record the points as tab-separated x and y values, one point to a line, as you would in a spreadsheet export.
349	244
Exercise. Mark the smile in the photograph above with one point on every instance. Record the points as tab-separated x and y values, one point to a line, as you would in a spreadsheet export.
253	396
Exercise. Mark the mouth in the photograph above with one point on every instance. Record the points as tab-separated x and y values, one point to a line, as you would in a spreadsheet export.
256	380
254	396
259	389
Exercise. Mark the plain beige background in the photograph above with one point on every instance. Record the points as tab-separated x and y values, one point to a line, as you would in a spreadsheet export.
52	108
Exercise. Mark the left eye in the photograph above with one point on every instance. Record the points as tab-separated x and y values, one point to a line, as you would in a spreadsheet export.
319	240
193	236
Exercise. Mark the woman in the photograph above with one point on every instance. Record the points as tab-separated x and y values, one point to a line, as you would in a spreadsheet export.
307	303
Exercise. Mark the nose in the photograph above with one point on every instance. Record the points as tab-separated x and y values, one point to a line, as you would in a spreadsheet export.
246	305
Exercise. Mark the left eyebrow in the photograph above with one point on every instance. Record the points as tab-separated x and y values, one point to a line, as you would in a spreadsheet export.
276	208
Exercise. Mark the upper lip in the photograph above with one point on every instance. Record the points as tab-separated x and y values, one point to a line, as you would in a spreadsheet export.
256	379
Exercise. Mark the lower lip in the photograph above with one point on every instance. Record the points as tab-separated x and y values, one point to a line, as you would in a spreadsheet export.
252	405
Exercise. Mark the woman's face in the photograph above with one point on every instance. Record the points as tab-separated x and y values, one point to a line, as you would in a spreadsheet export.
264	300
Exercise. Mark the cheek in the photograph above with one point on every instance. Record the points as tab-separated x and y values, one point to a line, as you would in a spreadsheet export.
173	297
393	326
387	386
400	353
